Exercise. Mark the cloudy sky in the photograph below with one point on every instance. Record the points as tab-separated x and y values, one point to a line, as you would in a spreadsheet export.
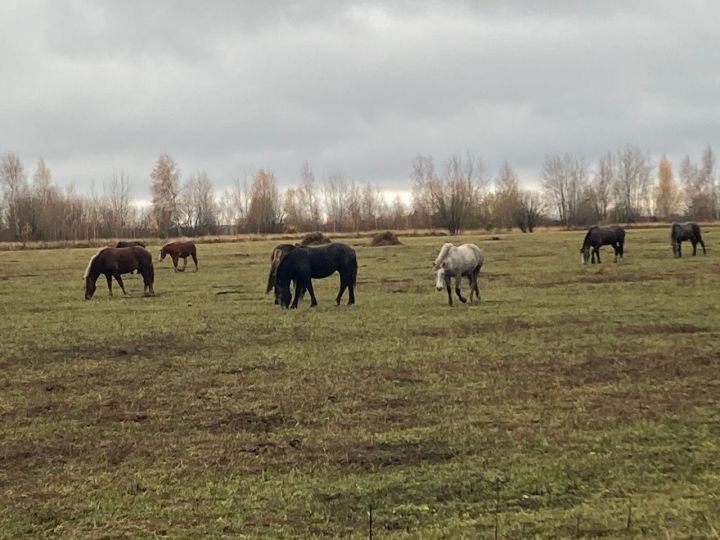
358	87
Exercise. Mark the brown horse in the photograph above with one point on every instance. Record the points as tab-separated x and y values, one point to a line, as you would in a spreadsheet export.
116	261
128	243
178	250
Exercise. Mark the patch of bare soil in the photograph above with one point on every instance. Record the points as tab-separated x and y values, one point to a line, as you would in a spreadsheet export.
252	422
661	328
391	454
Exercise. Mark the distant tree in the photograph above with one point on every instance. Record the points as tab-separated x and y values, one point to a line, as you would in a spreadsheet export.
667	194
423	176
336	194
507	207
632	184
15	188
165	189
265	214
197	208
453	198
529	210
308	199
600	192
564	183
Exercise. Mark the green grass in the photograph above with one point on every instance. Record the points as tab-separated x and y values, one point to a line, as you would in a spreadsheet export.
567	400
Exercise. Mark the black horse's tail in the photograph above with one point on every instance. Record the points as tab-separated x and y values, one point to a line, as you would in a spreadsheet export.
353	276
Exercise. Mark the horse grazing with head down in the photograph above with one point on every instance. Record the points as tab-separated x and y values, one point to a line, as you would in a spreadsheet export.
276	256
301	264
612	235
456	262
686	231
178	250
129	243
116	261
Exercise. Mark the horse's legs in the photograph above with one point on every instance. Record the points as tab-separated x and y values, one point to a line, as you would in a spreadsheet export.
118	278
194	256
596	252
458	281
175	262
476	286
148	288
184	264
694	245
351	292
343	286
449	289
313	300
702	244
299	289
109	280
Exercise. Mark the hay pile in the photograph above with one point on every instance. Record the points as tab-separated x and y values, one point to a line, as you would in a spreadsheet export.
387	238
314	238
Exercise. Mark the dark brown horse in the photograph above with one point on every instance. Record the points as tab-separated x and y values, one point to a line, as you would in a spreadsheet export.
116	261
596	237
686	231
129	243
178	250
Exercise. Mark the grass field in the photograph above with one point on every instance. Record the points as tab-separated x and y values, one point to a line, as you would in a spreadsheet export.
570	402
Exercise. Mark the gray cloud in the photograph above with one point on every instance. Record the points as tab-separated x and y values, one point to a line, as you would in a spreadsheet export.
360	87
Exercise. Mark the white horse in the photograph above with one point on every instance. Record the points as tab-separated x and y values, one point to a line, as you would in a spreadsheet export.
457	262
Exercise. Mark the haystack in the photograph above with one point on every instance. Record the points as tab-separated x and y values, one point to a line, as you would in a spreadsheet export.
387	238
314	238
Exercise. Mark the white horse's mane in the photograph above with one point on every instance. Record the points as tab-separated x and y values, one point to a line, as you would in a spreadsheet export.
87	270
443	253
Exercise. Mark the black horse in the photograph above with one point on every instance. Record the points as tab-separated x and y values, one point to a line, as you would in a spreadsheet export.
302	263
612	235
686	231
277	255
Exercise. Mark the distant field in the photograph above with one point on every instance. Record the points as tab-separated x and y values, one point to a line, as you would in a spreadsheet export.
570	402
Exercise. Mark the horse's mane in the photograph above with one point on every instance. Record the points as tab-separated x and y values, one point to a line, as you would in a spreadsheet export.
591	230
441	257
92	260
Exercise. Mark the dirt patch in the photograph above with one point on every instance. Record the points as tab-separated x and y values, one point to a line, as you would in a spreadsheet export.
112	411
662	328
252	422
314	239
387	238
392	454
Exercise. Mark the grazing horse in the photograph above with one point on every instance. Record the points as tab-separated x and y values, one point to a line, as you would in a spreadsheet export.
612	235
277	255
302	263
129	243
116	261
686	231
465	260
178	250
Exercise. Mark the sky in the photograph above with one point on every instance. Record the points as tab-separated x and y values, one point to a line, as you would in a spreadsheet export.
229	87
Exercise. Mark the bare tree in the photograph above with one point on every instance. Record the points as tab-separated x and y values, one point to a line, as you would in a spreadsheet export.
564	181
118	201
423	175
265	214
601	187
336	194
507	208
308	198
197	208
14	182
165	190
632	184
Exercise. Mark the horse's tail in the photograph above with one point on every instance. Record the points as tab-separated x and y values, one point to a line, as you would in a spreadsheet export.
441	256
353	277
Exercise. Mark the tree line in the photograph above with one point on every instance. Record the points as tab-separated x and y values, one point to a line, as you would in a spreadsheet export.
456	195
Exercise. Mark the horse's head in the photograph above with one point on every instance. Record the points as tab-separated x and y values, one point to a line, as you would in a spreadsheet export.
440	277
89	287
163	252
585	254
282	294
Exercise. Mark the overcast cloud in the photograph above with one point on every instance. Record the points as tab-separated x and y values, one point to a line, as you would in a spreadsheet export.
358	87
